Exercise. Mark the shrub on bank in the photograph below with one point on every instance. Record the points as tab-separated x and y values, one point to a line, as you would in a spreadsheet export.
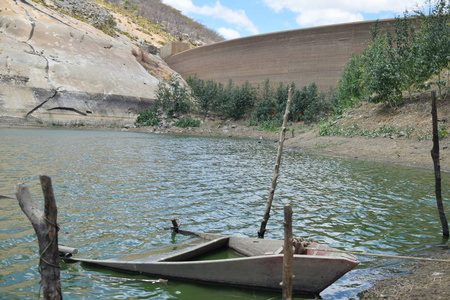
187	122
148	117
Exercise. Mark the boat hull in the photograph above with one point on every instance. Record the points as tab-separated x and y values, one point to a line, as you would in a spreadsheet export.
312	274
260	267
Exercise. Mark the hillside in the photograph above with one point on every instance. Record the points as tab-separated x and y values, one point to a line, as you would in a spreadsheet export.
156	17
76	63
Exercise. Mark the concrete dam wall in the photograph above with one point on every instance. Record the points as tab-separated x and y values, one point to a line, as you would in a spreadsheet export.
301	56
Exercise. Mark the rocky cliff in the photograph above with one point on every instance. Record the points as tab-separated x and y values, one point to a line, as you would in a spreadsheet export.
57	69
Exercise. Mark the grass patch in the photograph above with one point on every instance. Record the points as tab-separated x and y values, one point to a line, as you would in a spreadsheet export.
187	122
332	129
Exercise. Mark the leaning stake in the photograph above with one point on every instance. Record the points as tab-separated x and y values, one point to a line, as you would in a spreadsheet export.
437	166
46	229
288	254
276	171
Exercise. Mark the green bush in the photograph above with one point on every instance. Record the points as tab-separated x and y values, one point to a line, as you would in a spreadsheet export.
187	122
148	117
351	85
442	131
238	101
172	98
265	108
229	101
271	125
205	93
329	128
265	104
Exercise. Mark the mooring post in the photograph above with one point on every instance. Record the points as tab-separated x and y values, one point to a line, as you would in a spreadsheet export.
46	228
437	167
288	254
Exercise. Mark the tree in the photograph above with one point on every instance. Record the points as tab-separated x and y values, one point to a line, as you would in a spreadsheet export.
406	54
351	88
435	40
382	76
265	109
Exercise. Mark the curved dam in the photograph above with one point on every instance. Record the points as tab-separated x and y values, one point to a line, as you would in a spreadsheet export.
302	56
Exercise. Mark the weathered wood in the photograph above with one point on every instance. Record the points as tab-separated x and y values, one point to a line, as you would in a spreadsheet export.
276	171
175	227
437	167
65	249
45	226
288	254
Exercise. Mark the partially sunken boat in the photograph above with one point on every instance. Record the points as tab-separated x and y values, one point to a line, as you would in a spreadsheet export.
256	263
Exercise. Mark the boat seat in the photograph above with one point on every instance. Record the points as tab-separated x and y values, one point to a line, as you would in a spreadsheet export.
276	252
197	250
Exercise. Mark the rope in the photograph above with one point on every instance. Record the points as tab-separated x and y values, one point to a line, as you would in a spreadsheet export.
48	246
382	255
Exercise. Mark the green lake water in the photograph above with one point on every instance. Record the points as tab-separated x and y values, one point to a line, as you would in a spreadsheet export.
116	191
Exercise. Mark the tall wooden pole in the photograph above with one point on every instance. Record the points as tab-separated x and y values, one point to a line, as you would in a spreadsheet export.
45	226
276	170
437	167
288	254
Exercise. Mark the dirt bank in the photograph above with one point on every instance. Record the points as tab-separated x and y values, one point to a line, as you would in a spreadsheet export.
426	280
402	151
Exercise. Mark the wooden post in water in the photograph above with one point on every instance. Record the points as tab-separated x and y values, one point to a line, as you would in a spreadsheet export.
276	171
288	254
437	167
46	228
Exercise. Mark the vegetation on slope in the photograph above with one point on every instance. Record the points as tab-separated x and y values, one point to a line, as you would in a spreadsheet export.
151	17
409	58
155	15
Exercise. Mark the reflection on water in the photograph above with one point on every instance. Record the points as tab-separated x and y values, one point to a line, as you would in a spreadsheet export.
117	191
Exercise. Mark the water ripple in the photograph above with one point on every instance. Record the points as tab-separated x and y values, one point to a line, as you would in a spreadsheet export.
117	191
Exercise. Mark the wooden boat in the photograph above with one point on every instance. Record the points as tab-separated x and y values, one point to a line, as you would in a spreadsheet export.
259	264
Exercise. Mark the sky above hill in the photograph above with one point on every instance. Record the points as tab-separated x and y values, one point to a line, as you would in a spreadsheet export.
240	18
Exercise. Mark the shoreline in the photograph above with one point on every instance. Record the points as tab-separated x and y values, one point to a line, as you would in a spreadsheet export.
387	150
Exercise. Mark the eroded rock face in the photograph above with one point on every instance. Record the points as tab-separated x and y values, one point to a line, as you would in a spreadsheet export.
57	69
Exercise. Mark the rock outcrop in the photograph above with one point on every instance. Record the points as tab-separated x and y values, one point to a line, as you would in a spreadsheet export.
56	69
